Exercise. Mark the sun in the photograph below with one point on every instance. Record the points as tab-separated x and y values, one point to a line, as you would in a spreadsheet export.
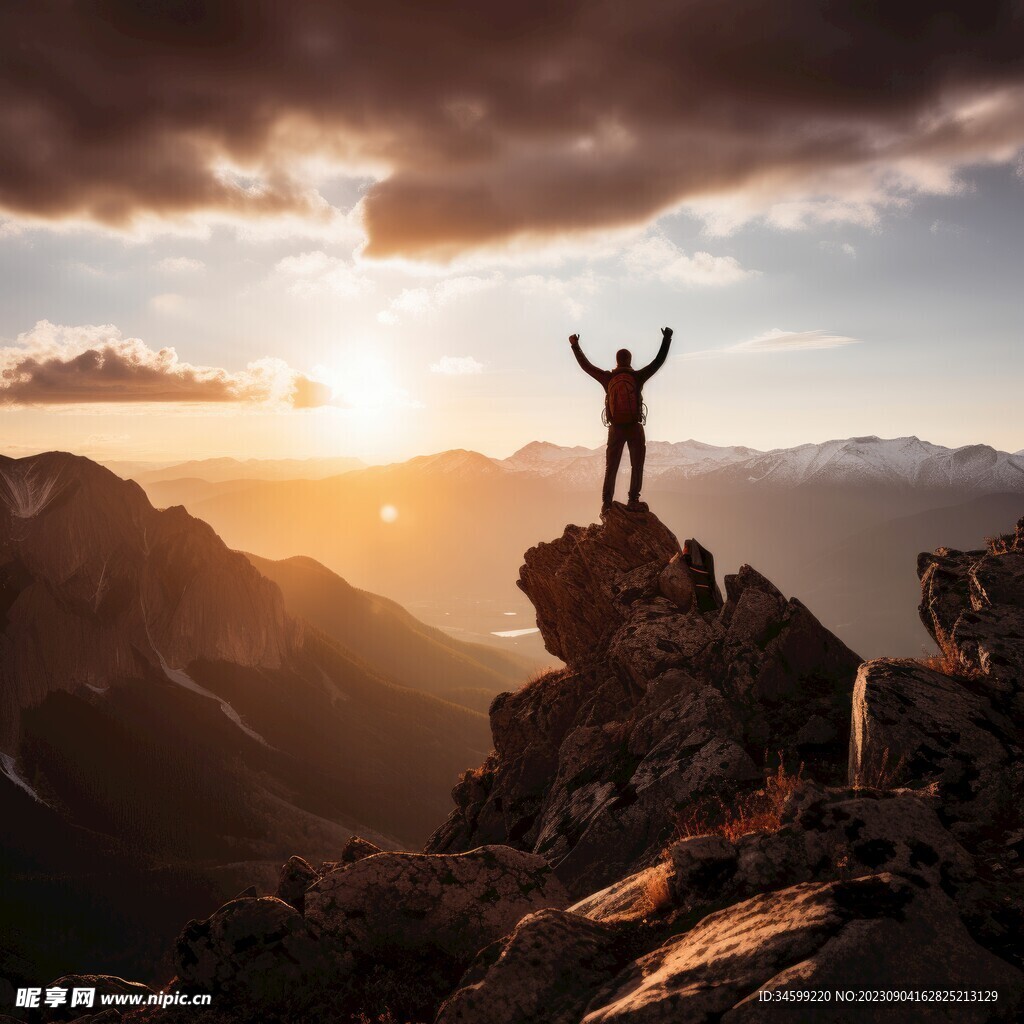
388	513
366	382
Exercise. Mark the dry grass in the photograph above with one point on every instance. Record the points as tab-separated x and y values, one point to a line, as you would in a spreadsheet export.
1007	541
883	776
656	895
756	811
947	661
545	675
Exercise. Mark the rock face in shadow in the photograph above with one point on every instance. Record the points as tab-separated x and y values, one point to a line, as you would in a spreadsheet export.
955	722
660	705
86	558
832	889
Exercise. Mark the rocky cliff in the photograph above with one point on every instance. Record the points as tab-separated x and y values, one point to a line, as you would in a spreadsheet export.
660	705
97	585
622	855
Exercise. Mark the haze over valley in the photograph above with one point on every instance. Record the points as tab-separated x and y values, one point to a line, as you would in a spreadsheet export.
840	523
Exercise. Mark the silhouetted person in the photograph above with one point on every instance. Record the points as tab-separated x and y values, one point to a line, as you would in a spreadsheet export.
624	414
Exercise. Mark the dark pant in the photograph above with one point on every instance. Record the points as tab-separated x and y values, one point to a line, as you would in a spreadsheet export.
632	434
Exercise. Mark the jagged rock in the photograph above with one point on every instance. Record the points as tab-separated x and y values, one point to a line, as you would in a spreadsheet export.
754	605
545	972
654	640
297	875
869	933
607	806
260	948
572	581
446	905
915	723
356	849
675	583
972	603
659	707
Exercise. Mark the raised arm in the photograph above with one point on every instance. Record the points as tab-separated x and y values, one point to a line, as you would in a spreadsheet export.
659	360
587	366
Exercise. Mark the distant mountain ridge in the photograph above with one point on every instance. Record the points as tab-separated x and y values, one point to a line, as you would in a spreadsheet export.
463	518
900	462
222	469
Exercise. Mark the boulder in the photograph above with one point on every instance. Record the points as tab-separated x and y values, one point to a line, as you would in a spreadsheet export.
911	722
356	849
851	833
450	906
544	972
823	835
258	948
876	932
296	876
676	584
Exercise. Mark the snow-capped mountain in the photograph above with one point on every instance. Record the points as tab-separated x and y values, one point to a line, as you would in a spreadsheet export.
900	462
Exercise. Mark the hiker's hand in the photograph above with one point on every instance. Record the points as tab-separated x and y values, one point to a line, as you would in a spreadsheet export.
666	334
574	339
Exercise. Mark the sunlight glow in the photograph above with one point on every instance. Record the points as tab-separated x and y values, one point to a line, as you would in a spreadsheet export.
365	382
388	513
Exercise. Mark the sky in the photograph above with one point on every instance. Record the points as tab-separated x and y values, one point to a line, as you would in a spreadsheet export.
268	231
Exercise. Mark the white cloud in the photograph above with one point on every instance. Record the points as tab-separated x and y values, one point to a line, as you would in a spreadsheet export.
776	341
55	365
569	291
658	258
315	273
791	341
413	302
180	265
457	366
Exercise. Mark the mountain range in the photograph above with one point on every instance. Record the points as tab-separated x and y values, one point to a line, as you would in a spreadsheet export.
168	717
839	522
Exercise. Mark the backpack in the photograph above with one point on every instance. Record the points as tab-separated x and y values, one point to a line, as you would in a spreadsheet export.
701	564
622	403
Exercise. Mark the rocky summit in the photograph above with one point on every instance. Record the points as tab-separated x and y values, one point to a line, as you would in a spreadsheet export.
682	819
660	705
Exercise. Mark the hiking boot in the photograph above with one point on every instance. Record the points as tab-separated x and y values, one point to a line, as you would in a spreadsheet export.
636	505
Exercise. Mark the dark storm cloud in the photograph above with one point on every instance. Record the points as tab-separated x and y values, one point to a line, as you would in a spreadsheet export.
54	365
493	121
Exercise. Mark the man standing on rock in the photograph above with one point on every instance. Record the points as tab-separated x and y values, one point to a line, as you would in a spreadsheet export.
624	414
